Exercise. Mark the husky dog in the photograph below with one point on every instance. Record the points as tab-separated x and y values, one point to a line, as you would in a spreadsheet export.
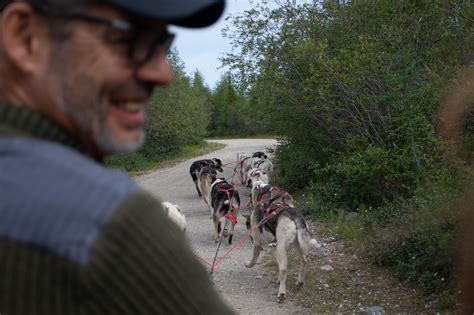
244	163
224	199
259	155
265	165
288	227
174	214
207	176
256	174
197	166
263	191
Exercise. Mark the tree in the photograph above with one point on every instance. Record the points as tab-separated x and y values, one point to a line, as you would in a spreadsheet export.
344	84
177	115
228	109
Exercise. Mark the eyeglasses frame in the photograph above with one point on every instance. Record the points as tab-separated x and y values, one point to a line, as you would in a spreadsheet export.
163	40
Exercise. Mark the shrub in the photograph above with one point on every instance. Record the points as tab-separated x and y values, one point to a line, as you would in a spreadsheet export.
422	242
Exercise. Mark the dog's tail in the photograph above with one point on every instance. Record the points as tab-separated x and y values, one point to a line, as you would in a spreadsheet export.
305	240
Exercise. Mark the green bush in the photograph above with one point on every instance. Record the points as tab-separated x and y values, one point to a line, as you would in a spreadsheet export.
354	90
293	170
420	237
422	248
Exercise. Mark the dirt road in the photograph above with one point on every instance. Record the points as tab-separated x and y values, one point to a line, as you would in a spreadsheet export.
248	291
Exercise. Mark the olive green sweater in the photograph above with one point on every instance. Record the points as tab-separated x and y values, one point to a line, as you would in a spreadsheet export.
77	238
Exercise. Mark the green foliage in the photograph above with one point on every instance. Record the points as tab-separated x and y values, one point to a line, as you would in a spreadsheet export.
177	115
229	111
422	246
132	162
327	77
137	163
295	175
354	91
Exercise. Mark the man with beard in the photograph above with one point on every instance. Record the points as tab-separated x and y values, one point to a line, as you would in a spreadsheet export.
75	237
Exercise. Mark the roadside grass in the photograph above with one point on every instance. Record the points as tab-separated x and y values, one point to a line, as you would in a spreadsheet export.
137	164
233	136
354	285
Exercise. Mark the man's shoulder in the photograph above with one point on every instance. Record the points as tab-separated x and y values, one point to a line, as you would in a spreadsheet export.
55	197
46	161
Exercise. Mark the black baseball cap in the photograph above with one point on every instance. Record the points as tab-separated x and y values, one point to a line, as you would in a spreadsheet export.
187	13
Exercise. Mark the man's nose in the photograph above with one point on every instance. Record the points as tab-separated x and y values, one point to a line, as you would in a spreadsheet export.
156	70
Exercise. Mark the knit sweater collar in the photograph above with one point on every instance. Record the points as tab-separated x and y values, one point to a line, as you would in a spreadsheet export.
23	122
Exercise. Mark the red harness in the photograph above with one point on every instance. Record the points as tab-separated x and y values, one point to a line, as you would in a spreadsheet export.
269	209
230	194
272	210
273	194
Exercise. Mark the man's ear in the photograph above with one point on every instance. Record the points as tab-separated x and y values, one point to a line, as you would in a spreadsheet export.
22	33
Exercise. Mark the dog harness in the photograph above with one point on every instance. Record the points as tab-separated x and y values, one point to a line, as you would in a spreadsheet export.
273	194
272	209
257	164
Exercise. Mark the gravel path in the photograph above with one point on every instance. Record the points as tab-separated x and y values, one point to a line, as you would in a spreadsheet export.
248	291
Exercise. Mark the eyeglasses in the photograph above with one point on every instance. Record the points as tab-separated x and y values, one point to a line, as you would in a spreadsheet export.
143	42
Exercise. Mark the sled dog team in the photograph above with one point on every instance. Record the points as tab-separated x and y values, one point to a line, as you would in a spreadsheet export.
272	210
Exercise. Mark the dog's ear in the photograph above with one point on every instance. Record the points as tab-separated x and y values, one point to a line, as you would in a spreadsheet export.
246	216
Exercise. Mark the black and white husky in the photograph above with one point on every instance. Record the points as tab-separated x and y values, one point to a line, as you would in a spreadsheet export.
224	200
197	166
289	228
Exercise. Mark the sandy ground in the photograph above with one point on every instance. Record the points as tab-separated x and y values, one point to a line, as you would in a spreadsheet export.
248	291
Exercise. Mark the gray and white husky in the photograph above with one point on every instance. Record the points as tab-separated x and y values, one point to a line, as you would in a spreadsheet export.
289	228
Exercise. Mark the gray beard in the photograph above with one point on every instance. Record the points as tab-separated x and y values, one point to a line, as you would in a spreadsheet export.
109	145
81	102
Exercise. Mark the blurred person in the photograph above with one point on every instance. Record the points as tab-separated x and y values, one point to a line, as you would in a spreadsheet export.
453	114
466	259
75	237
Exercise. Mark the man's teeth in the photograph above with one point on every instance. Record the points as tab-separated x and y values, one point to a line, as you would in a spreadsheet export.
131	106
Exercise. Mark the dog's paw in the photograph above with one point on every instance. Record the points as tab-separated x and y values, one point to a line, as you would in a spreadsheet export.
226	233
299	285
273	244
281	297
249	264
314	243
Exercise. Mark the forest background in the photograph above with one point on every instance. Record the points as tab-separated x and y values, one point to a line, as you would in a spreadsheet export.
356	94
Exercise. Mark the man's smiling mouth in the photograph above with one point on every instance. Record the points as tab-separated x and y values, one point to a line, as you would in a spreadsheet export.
130	106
